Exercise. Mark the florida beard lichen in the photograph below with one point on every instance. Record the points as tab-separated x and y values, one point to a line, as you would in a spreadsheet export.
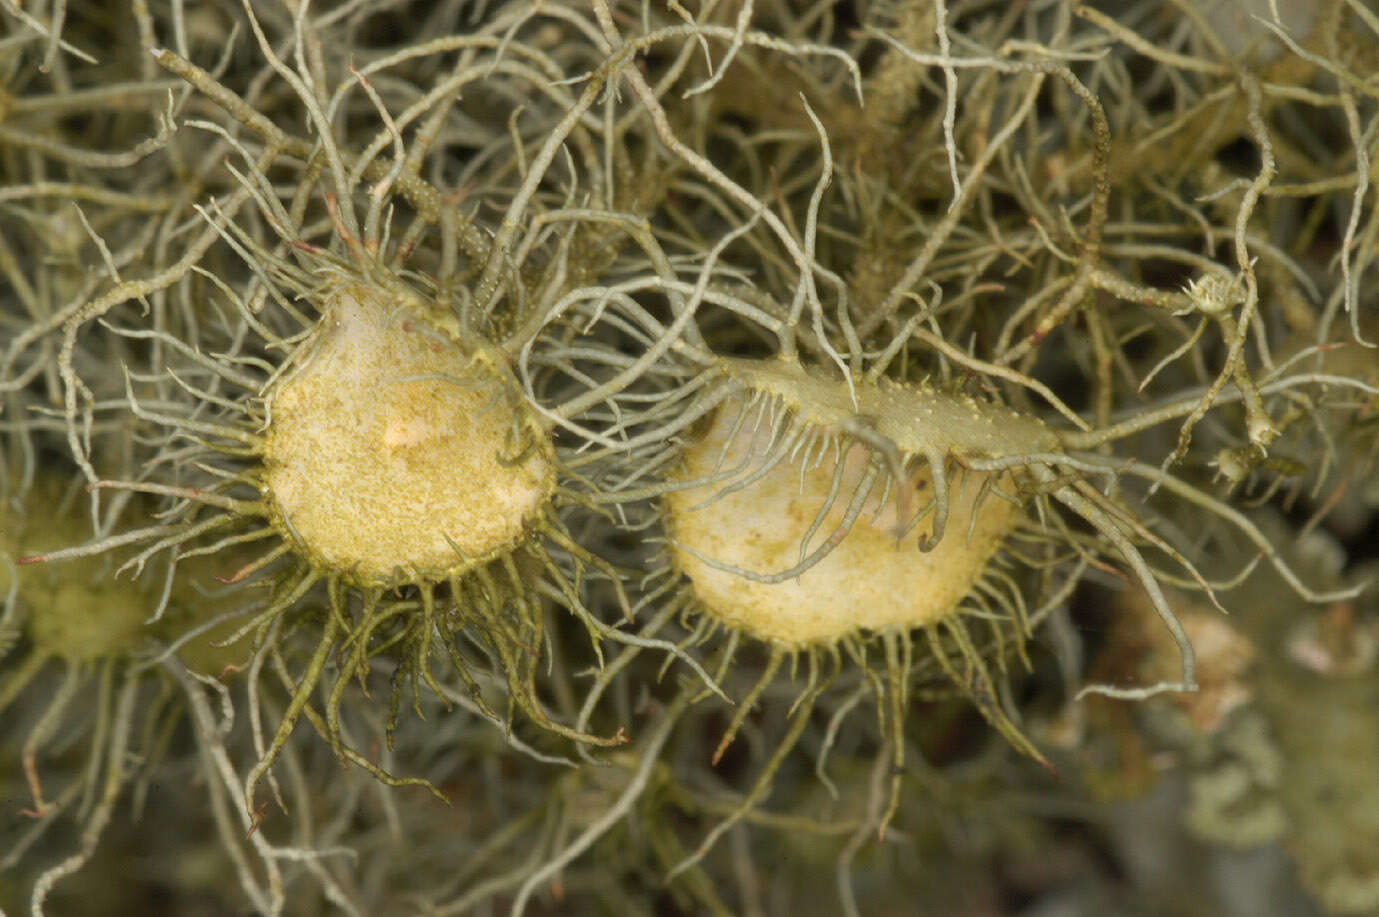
825	497
392	455
392	459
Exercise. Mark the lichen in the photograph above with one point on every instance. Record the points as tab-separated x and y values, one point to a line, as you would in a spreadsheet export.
871	581
393	453
393	354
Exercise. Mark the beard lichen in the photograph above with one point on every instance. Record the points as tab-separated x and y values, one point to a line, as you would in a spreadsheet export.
824	356
765	522
78	614
394	456
382	445
393	460
73	648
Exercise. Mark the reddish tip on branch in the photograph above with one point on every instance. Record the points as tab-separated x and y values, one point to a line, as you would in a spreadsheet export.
238	575
722	747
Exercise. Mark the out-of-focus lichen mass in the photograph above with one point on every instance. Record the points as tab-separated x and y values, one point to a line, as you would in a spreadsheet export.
671	457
